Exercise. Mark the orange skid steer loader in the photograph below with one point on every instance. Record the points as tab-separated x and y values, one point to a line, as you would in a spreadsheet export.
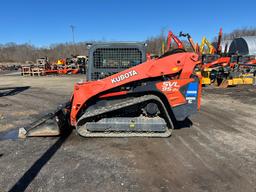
144	100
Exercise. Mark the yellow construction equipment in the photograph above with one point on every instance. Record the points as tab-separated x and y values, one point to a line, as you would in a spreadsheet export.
206	76
205	42
60	62
246	79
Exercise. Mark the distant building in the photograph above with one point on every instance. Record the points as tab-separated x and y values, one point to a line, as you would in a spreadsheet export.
223	44
243	45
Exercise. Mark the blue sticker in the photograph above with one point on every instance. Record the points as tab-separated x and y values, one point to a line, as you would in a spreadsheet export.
192	89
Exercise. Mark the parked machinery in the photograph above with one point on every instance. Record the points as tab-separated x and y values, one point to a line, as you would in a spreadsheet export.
243	70
206	44
82	63
171	37
193	45
216	66
144	99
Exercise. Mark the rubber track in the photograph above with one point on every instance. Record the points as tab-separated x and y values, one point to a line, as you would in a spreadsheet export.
136	100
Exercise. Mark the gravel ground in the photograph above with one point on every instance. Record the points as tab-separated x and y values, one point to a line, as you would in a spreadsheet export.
217	153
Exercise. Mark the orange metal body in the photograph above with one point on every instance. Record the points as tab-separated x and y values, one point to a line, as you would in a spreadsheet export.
176	40
180	63
62	71
173	94
223	61
252	62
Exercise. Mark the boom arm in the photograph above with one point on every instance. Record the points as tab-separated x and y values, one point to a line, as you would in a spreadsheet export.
190	40
204	42
219	42
176	39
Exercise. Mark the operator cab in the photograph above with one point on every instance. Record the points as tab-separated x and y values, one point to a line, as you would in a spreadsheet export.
106	59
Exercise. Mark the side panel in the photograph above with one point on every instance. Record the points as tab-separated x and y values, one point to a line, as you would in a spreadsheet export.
171	89
180	62
183	96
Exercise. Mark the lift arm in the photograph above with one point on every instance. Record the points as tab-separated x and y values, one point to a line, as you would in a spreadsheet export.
219	42
190	40
204	42
176	40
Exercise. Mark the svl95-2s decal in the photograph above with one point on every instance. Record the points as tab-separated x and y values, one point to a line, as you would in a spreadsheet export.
170	86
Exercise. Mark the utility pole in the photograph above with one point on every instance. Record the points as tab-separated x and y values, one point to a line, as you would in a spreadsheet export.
73	32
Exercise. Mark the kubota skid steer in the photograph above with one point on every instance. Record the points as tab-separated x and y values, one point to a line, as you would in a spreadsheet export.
145	100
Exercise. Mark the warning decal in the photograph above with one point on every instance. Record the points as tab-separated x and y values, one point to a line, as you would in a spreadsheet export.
191	93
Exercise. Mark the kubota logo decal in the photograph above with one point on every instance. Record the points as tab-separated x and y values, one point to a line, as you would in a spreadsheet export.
170	86
124	76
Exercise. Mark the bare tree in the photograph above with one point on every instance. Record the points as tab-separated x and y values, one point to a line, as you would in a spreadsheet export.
238	33
12	52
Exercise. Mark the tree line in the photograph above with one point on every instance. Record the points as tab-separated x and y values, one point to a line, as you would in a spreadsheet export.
238	33
21	53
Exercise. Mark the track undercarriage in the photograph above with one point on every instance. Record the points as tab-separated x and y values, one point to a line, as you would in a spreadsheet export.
133	116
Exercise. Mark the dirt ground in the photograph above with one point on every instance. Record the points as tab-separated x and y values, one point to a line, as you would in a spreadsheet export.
217	153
